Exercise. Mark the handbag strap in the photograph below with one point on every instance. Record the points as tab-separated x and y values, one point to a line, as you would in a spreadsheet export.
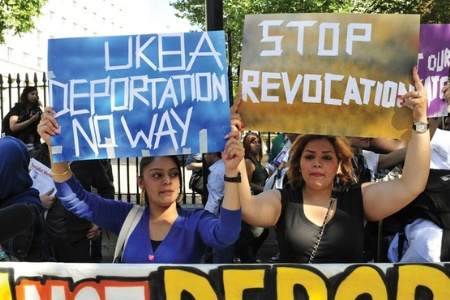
128	226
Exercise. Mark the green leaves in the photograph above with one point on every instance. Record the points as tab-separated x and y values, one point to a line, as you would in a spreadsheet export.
234	11
17	16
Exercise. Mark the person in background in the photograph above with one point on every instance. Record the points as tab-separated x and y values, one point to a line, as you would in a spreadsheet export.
257	174
216	189
252	237
165	233
277	146
215	183
24	118
95	176
194	163
385	145
72	237
16	188
420	238
320	221
446	125
14	219
367	167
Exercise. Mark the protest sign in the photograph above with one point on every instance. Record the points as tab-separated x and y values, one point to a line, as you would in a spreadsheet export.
139	95
434	62
336	74
74	281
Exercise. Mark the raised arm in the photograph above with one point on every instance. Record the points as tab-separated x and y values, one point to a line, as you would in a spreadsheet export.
382	199
47	127
262	210
232	157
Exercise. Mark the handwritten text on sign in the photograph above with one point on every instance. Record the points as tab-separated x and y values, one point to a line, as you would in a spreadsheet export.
133	96
434	65
318	73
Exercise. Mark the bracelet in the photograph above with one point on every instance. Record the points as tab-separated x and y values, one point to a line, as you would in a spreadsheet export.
236	179
63	173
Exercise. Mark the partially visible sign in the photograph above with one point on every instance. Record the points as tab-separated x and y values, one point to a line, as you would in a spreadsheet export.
139	95
434	65
336	74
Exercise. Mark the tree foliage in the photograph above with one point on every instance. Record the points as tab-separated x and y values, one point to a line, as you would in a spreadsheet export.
17	16
234	11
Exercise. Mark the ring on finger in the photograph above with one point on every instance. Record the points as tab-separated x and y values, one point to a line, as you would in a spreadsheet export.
418	94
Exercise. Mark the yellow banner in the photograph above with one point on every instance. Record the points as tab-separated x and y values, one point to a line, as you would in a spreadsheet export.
45	281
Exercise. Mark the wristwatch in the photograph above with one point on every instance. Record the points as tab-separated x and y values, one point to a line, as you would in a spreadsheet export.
421	127
236	179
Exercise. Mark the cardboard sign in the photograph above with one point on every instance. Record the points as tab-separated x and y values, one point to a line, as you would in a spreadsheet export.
139	95
336	74
434	62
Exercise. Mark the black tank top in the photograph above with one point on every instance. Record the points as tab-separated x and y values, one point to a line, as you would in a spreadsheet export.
343	238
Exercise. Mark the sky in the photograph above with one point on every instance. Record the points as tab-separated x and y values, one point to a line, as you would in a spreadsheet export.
161	16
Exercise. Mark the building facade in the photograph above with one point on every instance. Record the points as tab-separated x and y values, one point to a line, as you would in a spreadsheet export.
69	18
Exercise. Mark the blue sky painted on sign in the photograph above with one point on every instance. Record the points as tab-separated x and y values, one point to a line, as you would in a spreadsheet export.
138	95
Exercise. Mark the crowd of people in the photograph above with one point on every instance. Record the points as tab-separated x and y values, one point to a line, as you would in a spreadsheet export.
320	196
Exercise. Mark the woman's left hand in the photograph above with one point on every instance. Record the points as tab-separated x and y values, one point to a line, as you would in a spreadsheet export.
417	100
48	125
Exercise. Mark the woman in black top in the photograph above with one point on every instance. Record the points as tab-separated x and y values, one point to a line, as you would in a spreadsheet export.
318	223
24	118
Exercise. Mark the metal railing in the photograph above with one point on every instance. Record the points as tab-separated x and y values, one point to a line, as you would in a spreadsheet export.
124	169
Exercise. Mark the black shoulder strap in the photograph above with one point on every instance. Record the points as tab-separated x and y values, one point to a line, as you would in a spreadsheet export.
445	247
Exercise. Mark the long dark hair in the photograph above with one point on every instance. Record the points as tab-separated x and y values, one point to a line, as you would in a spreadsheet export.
248	139
343	151
24	98
145	161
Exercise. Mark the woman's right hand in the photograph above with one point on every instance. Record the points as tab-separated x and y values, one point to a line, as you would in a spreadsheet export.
235	117
48	125
34	117
234	151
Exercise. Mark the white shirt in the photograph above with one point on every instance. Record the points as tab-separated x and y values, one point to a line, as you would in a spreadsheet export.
215	186
440	150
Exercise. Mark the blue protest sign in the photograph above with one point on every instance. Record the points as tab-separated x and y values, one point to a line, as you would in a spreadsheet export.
139	95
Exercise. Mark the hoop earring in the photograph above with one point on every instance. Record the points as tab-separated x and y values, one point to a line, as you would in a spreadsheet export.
336	183
142	197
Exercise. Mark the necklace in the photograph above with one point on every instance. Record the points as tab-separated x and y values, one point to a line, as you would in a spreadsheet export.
322	229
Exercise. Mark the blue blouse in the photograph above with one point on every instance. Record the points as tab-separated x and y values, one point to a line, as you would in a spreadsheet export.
192	232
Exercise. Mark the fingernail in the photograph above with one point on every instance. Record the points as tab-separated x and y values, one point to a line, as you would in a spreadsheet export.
399	96
243	124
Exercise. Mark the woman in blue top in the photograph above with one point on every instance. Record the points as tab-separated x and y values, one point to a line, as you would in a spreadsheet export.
166	233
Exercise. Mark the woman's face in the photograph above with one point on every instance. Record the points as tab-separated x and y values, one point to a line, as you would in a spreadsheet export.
33	96
255	146
319	164
161	181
